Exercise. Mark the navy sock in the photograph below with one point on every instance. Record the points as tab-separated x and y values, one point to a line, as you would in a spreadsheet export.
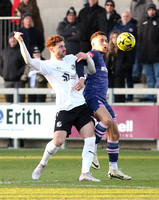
100	130
113	151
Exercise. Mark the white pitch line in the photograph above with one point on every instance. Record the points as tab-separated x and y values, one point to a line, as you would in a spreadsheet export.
55	182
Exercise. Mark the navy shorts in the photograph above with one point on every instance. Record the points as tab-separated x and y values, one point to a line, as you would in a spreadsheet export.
78	117
94	103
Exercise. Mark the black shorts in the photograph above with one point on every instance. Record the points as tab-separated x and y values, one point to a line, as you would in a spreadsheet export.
78	117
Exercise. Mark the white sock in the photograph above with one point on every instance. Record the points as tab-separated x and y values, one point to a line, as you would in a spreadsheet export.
95	151
113	165
88	153
50	150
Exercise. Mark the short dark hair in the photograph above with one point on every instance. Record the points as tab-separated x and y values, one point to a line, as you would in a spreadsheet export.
94	35
53	40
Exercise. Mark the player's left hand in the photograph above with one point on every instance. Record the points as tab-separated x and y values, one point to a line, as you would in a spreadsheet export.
17	36
79	85
81	56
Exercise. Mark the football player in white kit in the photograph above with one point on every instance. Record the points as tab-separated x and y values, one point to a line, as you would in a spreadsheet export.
60	71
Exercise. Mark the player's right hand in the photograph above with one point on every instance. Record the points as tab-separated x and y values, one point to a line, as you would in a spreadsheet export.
17	36
81	56
79	85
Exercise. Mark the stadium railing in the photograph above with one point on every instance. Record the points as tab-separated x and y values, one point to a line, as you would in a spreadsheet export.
7	25
111	92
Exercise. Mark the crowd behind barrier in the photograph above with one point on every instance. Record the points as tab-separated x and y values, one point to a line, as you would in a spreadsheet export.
99	16
8	24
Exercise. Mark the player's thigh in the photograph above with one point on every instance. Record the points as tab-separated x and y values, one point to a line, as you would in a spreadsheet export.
87	130
113	132
103	115
59	137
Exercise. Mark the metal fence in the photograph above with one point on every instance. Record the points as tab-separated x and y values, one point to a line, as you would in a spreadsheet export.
7	25
111	92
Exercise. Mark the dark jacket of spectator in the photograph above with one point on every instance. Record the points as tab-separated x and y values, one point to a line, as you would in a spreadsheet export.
87	18
31	38
129	27
106	25
72	41
137	9
148	40
5	8
33	9
12	64
120	64
70	29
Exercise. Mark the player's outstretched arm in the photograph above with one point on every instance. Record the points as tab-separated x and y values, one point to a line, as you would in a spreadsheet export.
90	67
27	58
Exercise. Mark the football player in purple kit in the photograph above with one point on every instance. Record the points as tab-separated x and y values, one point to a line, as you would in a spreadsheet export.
95	94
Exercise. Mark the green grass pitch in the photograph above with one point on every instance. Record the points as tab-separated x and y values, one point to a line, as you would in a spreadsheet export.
60	178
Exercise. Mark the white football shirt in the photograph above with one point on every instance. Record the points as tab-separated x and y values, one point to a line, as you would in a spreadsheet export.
62	77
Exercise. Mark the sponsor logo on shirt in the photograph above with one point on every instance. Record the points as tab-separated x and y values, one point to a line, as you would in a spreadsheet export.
104	69
66	77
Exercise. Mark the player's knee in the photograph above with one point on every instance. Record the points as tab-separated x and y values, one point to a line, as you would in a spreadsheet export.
116	136
107	122
58	142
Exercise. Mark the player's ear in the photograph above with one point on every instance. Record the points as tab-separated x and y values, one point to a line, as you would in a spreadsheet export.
92	43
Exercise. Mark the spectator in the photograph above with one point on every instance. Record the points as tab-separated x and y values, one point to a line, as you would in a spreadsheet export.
137	10
127	24
31	35
30	6
71	31
36	80
87	17
12	67
118	63
148	43
109	19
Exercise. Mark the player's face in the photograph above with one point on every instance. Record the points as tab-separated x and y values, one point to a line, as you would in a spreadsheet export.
59	50
100	43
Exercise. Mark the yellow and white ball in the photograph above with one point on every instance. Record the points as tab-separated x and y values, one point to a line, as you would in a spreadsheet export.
126	41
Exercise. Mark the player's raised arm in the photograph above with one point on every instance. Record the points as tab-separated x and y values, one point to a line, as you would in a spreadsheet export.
27	58
90	67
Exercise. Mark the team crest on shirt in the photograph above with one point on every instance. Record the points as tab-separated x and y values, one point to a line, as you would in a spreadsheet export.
59	124
73	67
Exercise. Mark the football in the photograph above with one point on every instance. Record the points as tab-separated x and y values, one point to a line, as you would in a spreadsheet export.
126	41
